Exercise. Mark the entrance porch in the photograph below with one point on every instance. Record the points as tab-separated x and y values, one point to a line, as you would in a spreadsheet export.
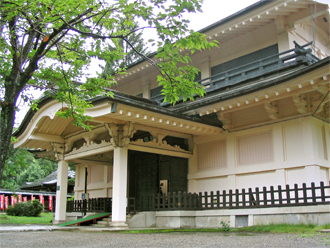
129	152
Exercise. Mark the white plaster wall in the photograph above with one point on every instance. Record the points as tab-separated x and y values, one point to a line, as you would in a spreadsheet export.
296	176
300	152
253	180
99	181
212	154
212	184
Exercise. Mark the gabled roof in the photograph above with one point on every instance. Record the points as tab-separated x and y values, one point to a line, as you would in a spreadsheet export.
50	179
245	20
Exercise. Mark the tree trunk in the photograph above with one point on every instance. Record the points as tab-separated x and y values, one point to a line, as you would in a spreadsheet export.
7	119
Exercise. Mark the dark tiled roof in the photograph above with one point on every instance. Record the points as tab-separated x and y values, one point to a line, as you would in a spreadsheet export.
50	179
28	192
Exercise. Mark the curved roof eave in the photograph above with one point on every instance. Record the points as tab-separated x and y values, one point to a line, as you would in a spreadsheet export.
120	98
216	24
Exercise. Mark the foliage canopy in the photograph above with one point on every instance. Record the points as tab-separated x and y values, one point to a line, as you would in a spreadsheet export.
49	44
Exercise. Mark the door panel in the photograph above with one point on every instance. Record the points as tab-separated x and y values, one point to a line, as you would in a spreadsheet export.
147	169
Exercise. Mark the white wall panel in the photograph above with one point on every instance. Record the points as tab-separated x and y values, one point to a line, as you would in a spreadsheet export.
263	179
320	139
212	184
255	148
293	148
110	173
96	173
297	175
96	193
324	175
81	176
212	155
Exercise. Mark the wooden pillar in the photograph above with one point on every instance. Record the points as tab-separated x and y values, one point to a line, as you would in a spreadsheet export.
119	188
61	192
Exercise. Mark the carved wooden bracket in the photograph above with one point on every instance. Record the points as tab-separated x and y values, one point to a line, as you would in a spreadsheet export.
58	150
120	133
300	103
272	110
323	89
90	138
158	136
225	119
68	146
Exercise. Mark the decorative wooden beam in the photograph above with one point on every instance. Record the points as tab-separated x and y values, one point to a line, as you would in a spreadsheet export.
58	150
92	162
225	119
300	103
272	110
120	133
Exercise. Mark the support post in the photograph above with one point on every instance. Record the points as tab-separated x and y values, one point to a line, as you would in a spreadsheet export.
61	192
119	189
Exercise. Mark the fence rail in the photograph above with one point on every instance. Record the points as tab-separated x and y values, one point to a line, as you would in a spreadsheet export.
90	205
98	205
258	198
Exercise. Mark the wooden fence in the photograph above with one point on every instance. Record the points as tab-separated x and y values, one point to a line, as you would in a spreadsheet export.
97	205
90	205
257	198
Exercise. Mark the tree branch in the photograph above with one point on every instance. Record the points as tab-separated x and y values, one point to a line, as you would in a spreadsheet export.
2	104
67	83
96	36
149	60
13	42
54	43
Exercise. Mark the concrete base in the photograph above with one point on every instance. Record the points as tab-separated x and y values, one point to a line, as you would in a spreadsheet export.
143	219
57	222
118	224
318	215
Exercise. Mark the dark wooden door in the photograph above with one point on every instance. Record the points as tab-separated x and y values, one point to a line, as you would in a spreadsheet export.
147	169
174	170
143	175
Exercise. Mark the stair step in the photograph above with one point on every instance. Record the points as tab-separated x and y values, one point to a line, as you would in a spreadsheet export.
100	225
105	222
101	222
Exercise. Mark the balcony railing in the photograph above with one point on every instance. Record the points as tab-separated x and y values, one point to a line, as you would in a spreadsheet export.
272	64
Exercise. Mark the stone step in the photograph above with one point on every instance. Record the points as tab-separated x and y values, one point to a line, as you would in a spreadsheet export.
105	222
102	222
100	225
109	218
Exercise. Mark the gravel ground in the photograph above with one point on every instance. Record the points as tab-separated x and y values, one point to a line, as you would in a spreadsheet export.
177	239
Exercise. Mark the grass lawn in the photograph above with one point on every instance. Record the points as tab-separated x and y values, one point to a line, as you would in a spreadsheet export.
272	228
44	219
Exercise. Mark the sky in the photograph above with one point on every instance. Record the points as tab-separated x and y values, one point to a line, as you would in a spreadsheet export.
213	11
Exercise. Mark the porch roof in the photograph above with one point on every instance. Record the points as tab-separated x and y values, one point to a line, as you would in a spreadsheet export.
41	127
